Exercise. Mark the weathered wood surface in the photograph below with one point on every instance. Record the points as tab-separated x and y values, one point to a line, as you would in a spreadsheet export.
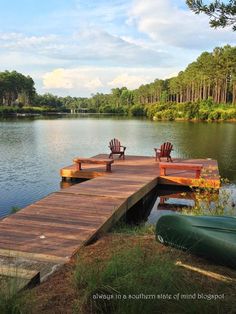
142	166
12	271
181	166
96	161
54	228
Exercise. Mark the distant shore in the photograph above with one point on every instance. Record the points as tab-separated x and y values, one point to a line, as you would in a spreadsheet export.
220	113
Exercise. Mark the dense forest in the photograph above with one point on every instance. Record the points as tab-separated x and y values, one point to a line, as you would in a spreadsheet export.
206	89
15	88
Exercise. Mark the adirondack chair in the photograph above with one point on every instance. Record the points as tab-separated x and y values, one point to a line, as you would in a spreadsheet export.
116	148
164	151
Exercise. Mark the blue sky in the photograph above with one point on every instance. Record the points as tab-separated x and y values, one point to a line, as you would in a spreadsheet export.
79	47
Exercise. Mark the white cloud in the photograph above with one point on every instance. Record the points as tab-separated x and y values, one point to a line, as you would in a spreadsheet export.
15	41
91	45
57	79
83	81
169	24
130	81
71	79
94	49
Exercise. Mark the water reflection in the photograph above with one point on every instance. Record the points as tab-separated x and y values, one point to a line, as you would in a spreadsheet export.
64	184
33	150
193	202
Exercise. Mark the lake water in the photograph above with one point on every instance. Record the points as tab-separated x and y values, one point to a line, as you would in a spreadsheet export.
33	150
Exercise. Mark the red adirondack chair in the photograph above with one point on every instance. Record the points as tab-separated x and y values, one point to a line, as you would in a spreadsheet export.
116	148
164	151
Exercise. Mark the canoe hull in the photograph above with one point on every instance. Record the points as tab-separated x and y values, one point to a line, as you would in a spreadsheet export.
212	237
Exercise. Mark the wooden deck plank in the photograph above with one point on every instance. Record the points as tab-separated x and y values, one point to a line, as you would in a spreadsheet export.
32	230
51	224
54	228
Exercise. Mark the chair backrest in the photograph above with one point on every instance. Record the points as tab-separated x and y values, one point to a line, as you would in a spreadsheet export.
166	149
114	145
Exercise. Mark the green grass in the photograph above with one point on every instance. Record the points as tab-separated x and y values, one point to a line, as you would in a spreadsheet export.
135	280
11	300
15	209
141	229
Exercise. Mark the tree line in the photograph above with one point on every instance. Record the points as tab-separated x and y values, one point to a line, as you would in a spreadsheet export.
211	76
209	81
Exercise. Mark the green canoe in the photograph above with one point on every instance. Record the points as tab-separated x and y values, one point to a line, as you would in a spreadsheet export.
213	237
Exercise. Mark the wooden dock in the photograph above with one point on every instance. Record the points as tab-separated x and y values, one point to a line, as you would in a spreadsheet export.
52	230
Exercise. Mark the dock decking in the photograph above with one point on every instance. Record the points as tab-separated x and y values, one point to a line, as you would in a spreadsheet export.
53	229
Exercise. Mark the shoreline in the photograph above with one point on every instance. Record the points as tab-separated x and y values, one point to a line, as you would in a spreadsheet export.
60	113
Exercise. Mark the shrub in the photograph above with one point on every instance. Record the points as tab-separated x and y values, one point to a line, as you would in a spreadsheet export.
191	110
203	114
215	114
137	110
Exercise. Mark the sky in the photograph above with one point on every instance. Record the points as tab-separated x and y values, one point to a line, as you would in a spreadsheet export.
81	47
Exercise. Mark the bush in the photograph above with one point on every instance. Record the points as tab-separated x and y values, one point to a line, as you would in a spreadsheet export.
106	109
203	114
191	110
137	110
203	110
7	110
207	104
215	114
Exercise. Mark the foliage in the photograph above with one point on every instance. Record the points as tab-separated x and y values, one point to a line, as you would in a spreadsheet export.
212	202
201	110
221	14
6	111
211	76
137	110
48	100
15	87
15	209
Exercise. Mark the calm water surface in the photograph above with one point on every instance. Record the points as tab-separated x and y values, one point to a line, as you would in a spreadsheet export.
33	150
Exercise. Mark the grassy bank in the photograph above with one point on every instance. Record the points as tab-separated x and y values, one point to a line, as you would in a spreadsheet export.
12	299
203	110
132	273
